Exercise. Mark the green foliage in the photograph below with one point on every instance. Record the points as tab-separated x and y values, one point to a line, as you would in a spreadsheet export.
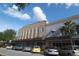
1	36
21	5
8	34
69	28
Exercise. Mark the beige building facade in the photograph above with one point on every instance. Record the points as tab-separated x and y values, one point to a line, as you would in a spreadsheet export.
32	31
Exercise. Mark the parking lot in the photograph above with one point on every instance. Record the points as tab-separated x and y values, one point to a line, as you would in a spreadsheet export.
6	52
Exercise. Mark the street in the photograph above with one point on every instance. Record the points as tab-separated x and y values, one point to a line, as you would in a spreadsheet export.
6	52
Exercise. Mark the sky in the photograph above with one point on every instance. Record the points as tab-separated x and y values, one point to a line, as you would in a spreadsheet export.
11	18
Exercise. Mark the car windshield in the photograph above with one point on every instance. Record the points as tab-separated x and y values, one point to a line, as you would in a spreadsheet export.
51	48
76	48
36	46
27	47
18	45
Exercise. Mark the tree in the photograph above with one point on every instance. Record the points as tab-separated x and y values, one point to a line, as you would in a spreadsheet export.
1	36
9	34
68	29
62	29
21	5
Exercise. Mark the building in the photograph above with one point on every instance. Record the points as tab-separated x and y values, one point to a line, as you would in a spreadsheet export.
77	29
40	34
32	31
32	34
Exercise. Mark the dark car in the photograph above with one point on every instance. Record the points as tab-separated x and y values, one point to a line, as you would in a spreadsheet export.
70	51
18	47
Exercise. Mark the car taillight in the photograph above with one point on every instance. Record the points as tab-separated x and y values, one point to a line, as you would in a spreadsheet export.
49	50
58	50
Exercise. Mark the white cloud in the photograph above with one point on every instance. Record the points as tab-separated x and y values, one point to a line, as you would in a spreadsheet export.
13	11
49	4
67	5
15	7
39	14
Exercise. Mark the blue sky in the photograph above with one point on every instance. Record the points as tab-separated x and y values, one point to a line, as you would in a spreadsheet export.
11	18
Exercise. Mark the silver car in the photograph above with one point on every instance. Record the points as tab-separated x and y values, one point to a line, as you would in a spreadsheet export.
27	48
51	51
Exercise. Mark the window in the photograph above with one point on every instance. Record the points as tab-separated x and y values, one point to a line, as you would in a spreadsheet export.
42	29
38	32
28	33
25	34
33	33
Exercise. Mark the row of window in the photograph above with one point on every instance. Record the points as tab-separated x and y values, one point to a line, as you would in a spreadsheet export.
30	33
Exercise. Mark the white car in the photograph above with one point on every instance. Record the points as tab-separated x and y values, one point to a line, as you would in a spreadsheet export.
51	51
9	47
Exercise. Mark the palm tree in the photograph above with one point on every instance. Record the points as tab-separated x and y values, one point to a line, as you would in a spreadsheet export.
68	29
62	30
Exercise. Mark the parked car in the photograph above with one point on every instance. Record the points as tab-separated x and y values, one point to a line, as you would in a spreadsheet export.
51	51
9	47
73	51
18	47
36	49
27	48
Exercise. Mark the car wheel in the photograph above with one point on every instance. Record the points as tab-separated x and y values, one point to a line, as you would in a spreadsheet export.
45	53
69	54
31	51
23	50
73	54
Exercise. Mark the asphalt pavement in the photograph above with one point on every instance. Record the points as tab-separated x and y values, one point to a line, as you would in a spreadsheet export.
7	52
